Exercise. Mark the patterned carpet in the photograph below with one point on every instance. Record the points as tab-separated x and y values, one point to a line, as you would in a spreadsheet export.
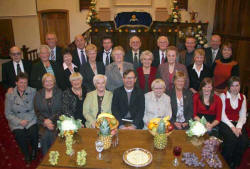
12	158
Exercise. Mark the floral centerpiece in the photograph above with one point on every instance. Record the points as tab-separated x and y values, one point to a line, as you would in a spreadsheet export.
175	15
68	126
92	15
53	157
81	157
197	128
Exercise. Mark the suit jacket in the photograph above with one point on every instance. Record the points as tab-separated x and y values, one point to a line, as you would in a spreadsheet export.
182	57
75	58
163	72
9	75
187	101
59	56
88	74
120	106
20	108
141	78
66	75
114	77
99	57
38	70
193	77
90	106
42	108
209	56
129	57
156	60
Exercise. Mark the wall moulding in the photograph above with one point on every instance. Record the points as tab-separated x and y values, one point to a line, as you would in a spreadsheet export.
132	3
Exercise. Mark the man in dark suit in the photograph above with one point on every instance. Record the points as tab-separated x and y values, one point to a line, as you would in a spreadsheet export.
213	52
160	55
12	68
79	54
105	54
187	55
133	55
128	103
55	51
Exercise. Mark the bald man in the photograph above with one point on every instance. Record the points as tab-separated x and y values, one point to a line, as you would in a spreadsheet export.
213	52
55	51
11	69
160	54
133	55
79	54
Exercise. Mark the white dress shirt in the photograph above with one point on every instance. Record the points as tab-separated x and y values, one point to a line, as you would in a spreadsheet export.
138	53
156	108
79	54
21	66
198	71
214	53
66	67
164	54
234	104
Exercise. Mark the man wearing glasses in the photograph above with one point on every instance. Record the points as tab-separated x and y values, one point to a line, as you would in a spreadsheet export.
12	68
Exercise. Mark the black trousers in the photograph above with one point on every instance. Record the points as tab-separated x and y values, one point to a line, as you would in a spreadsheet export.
24	136
233	147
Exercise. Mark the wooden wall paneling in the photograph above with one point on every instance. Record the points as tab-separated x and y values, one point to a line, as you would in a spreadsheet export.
245	21
84	4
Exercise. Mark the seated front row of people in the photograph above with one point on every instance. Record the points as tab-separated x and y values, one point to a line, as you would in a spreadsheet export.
129	105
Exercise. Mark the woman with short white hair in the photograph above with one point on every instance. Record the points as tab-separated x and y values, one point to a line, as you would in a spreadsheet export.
97	101
44	65
73	97
157	103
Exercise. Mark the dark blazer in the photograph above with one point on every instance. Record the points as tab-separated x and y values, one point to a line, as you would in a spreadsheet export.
182	57
66	75
208	56
9	75
59	56
42	109
38	70
88	74
141	78
129	57
99	57
136	107
75	58
156	60
187	101
194	80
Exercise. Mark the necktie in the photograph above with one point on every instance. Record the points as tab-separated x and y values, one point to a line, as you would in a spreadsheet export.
135	61
52	55
213	55
162	58
83	60
18	69
107	58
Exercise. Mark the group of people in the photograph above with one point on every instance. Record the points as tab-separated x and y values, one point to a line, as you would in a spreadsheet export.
135	86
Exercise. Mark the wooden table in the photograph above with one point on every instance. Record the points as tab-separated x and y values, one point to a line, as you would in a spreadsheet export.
127	139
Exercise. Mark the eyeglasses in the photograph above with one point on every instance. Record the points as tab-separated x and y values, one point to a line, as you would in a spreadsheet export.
16	54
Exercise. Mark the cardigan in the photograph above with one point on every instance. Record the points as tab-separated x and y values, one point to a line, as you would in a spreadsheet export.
114	77
141	78
155	108
187	104
193	77
90	106
215	108
20	108
163	72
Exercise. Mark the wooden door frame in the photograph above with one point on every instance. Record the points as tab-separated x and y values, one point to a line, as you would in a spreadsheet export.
42	39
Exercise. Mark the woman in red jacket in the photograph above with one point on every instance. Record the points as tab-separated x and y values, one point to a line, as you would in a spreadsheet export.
209	105
232	128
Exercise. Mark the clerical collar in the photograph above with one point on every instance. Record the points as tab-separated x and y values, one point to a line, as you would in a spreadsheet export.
128	90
